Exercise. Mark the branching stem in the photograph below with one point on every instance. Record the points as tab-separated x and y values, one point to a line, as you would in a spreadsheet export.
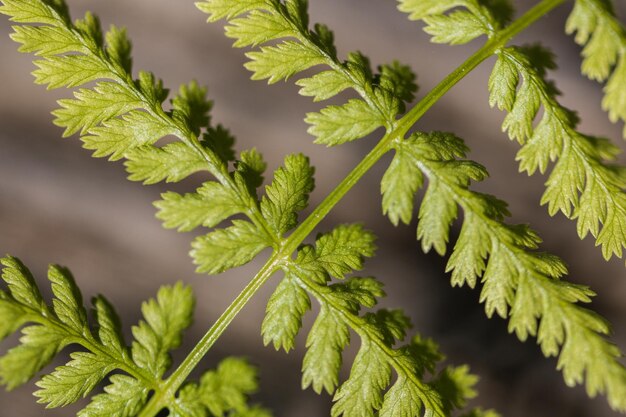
290	244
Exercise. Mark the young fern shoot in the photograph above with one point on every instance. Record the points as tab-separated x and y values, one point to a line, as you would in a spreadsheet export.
122	117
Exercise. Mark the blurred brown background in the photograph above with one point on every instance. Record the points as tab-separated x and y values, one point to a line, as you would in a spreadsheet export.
59	205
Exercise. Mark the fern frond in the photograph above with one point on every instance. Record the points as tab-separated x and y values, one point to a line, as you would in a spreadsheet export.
458	21
603	37
337	254
296	47
518	283
132	372
583	183
121	117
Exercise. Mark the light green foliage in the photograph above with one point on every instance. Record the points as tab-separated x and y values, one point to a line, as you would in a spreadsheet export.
458	21
64	323
288	194
122	118
583	184
336	254
221	393
227	248
120	115
604	54
518	283
252	23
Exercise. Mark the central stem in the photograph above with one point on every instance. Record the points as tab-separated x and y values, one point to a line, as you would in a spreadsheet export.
170	386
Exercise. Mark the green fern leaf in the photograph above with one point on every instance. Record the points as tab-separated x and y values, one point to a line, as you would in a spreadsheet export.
225	389
209	206
109	326
276	63
335	125
583	172
457	28
256	28
283	315
21	284
119	49
597	28
398	187
71	382
91	107
361	394
288	194
343	250
31	12
226	9
228	248
46	40
192	107
124	397
519	283
12	317
165	320
324	85
328	338
38	347
117	136
67	302
448	25
171	163
68	71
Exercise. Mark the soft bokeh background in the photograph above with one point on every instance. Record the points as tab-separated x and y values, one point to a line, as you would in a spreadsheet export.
59	205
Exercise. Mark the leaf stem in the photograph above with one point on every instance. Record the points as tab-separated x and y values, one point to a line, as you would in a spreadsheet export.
170	386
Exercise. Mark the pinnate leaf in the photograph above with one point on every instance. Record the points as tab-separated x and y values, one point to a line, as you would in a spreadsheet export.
228	248
335	125
170	163
284	312
68	383
288	193
210	205
123	397
165	318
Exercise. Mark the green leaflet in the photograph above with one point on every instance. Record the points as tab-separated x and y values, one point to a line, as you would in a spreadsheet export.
74	380
398	187
210	205
361	394
38	347
604	54
117	136
124	397
324	85
583	183
165	320
446	24
192	107
276	63
222	392
343	250
335	125
228	248
329	336
283	315
288	194
171	163
107	100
